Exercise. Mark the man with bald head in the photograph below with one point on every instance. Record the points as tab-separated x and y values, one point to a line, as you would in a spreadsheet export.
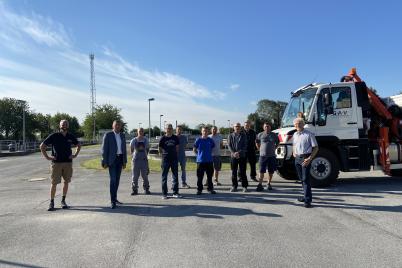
305	148
62	160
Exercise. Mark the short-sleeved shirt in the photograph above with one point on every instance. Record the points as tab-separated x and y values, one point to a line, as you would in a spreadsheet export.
268	143
182	146
139	148
204	149
168	144
303	142
216	151
61	146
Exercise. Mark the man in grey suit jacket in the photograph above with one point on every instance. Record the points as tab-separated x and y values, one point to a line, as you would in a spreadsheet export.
114	157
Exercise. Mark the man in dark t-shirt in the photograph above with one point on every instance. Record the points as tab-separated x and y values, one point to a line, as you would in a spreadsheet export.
62	160
168	148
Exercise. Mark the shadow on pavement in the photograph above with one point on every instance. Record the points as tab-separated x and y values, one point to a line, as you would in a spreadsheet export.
17	264
172	210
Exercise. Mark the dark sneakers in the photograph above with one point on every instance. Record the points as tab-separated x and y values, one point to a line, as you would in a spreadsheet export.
118	202
269	187
113	205
147	192
199	192
51	206
300	199
254	179
64	204
307	205
185	185
233	189
260	188
212	192
134	192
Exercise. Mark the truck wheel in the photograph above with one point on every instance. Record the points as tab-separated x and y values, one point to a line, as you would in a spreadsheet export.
396	172
287	173
324	169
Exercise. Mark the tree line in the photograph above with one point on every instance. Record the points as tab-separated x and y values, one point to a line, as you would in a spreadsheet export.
38	125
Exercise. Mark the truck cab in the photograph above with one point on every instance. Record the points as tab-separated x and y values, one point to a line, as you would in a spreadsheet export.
339	116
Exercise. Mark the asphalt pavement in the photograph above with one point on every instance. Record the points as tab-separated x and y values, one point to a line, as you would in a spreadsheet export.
356	223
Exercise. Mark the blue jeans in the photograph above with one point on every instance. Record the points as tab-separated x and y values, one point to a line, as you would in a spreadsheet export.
173	166
303	172
114	173
182	163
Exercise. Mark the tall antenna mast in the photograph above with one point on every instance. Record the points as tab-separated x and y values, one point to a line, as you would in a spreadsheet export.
93	93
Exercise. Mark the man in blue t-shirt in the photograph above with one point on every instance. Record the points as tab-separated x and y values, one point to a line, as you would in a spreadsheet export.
169	147
203	148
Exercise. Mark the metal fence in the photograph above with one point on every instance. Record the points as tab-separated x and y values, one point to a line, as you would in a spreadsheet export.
30	146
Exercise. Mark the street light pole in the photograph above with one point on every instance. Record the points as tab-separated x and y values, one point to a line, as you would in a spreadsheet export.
23	127
160	125
149	117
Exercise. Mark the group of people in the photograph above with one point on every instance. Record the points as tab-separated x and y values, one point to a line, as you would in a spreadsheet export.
242	145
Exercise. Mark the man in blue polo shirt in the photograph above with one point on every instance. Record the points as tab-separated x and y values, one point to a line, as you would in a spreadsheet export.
203	148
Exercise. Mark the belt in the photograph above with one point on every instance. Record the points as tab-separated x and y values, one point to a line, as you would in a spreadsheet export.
303	155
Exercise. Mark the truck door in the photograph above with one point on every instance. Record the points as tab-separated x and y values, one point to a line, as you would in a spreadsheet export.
341	116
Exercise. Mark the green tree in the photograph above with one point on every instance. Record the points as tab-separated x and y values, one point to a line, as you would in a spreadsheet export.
11	119
271	111
42	124
105	114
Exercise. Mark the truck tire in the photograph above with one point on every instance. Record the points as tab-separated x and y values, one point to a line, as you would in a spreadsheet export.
396	172
287	173
324	168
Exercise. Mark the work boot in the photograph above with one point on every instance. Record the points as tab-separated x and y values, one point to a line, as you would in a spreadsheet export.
51	206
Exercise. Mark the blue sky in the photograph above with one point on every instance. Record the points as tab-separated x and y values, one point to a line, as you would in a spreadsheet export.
200	60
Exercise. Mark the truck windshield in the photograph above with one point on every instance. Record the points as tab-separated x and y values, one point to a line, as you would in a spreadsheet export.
300	102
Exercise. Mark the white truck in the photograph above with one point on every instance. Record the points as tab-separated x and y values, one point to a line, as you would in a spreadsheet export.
354	128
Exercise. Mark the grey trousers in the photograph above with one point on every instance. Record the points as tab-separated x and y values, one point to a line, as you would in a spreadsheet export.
140	167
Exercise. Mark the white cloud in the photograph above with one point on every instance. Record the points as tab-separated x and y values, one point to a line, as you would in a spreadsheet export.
234	87
42	30
53	76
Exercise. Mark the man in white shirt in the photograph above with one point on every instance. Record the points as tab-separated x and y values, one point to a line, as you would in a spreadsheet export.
305	148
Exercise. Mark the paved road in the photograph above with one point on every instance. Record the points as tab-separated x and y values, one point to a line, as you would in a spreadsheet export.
355	224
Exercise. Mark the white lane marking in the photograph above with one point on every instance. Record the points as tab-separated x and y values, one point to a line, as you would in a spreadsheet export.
4	160
37	179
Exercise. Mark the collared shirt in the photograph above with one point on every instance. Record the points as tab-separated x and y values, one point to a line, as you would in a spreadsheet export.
118	142
303	142
238	143
61	146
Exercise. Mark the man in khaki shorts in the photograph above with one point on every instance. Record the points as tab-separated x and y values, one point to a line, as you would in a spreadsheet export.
62	160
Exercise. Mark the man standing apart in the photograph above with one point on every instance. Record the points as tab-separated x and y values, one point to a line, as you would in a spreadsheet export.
114	157
216	153
267	142
305	148
237	144
203	148
169	147
251	157
62	160
139	147
182	155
